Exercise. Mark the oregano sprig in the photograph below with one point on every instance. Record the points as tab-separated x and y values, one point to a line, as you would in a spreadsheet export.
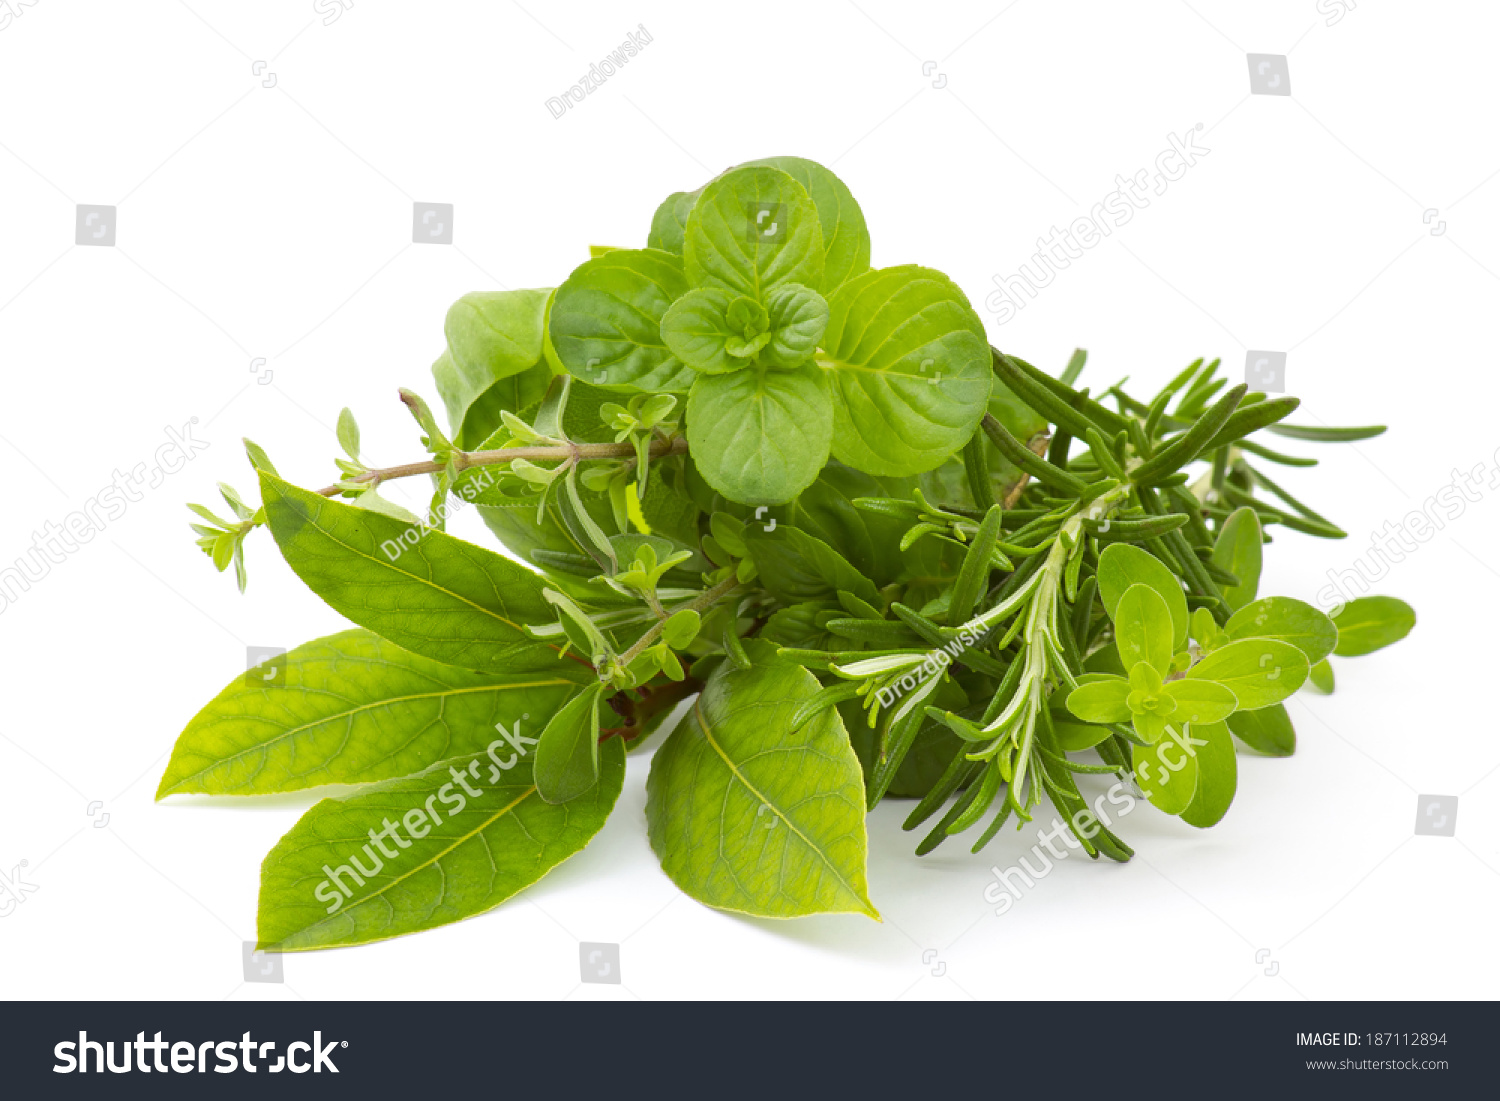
794	521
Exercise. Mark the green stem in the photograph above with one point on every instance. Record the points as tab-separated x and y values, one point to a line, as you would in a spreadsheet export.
571	452
701	604
1016	727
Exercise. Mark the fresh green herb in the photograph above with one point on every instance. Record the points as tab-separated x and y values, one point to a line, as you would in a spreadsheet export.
745	481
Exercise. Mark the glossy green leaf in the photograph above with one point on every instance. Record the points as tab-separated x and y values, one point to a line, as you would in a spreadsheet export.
697	331
681	628
567	753
1167	770
798	319
1267	731
1149	726
1200	701
760	436
748	319
1238	551
259	460
846	240
407	855
1101	700
1290	620
1206	630
1218	776
801	626
1372	622
348	434
606	321
1122	565
474	416
1143	628
1105	661
492	335
826	509
351	708
670	221
1321	677
1076	737
796	567
747	814
751	230
424	590
909	366
1259	671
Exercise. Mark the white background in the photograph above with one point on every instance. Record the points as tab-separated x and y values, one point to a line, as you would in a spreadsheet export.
275	223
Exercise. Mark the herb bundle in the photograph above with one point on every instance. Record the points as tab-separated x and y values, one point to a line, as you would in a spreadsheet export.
798	509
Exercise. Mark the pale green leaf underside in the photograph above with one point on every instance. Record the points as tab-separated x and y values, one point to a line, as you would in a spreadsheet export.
473	413
491	336
1371	622
909	368
750	816
1267	731
351	708
480	851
